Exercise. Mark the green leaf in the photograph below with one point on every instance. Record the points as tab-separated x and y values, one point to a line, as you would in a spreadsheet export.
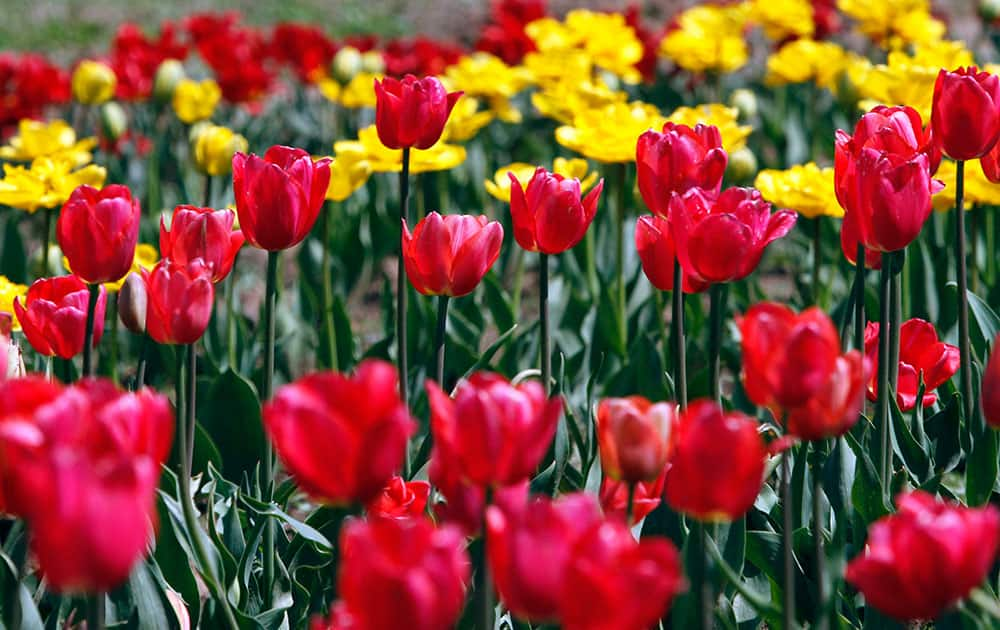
987	323
982	468
150	601
866	493
487	355
913	454
300	528
230	415
943	429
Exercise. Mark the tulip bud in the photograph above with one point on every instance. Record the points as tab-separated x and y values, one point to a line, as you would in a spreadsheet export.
372	62
634	437
132	303
412	112
346	63
114	121
93	82
989	9
742	165
168	75
745	102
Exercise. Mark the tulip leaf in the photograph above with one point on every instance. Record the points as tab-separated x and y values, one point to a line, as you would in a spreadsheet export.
171	555
982	468
300	528
866	493
230	414
943	429
912	453
986	320
487	354
150	601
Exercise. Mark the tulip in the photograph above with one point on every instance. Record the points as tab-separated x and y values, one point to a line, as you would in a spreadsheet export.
529	546
19	480
169	73
279	196
634	437
922	560
93	82
495	433
990	393
721	240
132	303
850	238
677	160
921	355
612	581
464	501
450	255
213	148
342	437
718	463
194	101
655	245
549	216
965	113
400	499
179	301
202	233
402	573
53	316
98	231
646	497
412	112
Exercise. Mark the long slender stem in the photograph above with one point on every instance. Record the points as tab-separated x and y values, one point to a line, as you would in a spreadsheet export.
140	373
484	581
786	541
112	326
590	261
630	504
817	491
881	404
895	318
404	202
702	586
231	315
207	196
270	304
716	315
543	314
974	221
859	300
439	337
964	349
88	333
620	252
817	256
677	319
991	243
192	379
95	612
327	291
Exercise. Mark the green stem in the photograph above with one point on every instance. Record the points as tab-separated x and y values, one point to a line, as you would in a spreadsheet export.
439	337
112	327
517	283
661	325
817	492
991	244
47	226
543	313
484	581
95	612
974	220
140	373
881	404
192	379
787	535
88	333
590	261
270	304
231	315
207	197
859	300
620	189
404	201
964	349
895	318
717	311
327	292
677	321
817	256
700	577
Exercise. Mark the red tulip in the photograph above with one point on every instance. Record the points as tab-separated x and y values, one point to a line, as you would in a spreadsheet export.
342	437
19	398
920	352
677	160
412	112
548	215
965	113
850	236
529	547
648	494
279	196
718	463
54	316
450	255
98	231
464	501
495	433
402	573
634	437
615	582
925	558
4	350
655	245
179	301
991	387
720	240
202	233
400	499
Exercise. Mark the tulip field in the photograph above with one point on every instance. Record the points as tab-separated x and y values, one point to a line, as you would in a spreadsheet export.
595	320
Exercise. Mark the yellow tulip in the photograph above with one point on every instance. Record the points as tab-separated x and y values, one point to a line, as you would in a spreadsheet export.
978	189
734	135
196	100
894	22
499	186
93	83
609	133
8	291
214	147
346	176
805	60
783	19
54	139
804	188
608	41
47	183
562	100
368	147
484	75
709	38
465	120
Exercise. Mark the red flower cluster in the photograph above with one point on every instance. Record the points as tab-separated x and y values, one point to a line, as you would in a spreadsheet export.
400	499
28	84
135	58
238	55
920	353
420	56
634	437
504	35
306	49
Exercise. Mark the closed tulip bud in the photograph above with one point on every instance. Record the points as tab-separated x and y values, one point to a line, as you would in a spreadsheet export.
991	387
412	112
98	231
450	255
402	573
495	433
745	102
169	73
634	437
676	160
718	463
646	497
655	245
202	233
213	148
346	63
742	165
194	101
179	301
342	437
400	499
548	215
925	558
53	316
921	355
965	114
520	530
893	198
114	121
278	196
93	82
372	62
132	303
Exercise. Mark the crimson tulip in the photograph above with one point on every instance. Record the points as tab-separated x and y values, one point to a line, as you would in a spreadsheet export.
493	432
721	240
402	573
850	237
717	466
646	497
548	214
529	546
412	112
634	437
279	196
920	352
54	315
98	231
202	233
464	501
450	255
925	558
677	160
655	245
990	393
613	581
4	351
400	499
179	301
342	437
965	112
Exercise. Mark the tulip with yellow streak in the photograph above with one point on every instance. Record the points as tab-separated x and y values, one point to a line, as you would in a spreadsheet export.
606	38
488	77
734	135
93	82
709	38
346	176
978	189
499	186
439	157
608	134
54	139
214	147
8	291
195	101
893	23
804	188
466	120
46	183
783	19
804	60
145	257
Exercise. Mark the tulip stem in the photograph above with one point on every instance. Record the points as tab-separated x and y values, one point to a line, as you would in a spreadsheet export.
786	539
207	199
895	317
439	337
630	505
963	291
404	202
702	585
677	321
817	254
717	311
327	292
543	314
96	612
88	333
47	223
817	492
620	253
231	315
484	581
191	375
881	404
859	300
140	373
270	304
974	220
662	327
112	326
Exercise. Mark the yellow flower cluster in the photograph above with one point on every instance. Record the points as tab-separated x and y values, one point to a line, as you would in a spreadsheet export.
486	76
8	291
54	139
734	135
606	39
978	189
783	19
893	23
609	133
804	188
709	38
46	183
369	148
805	60
194	101
499	186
